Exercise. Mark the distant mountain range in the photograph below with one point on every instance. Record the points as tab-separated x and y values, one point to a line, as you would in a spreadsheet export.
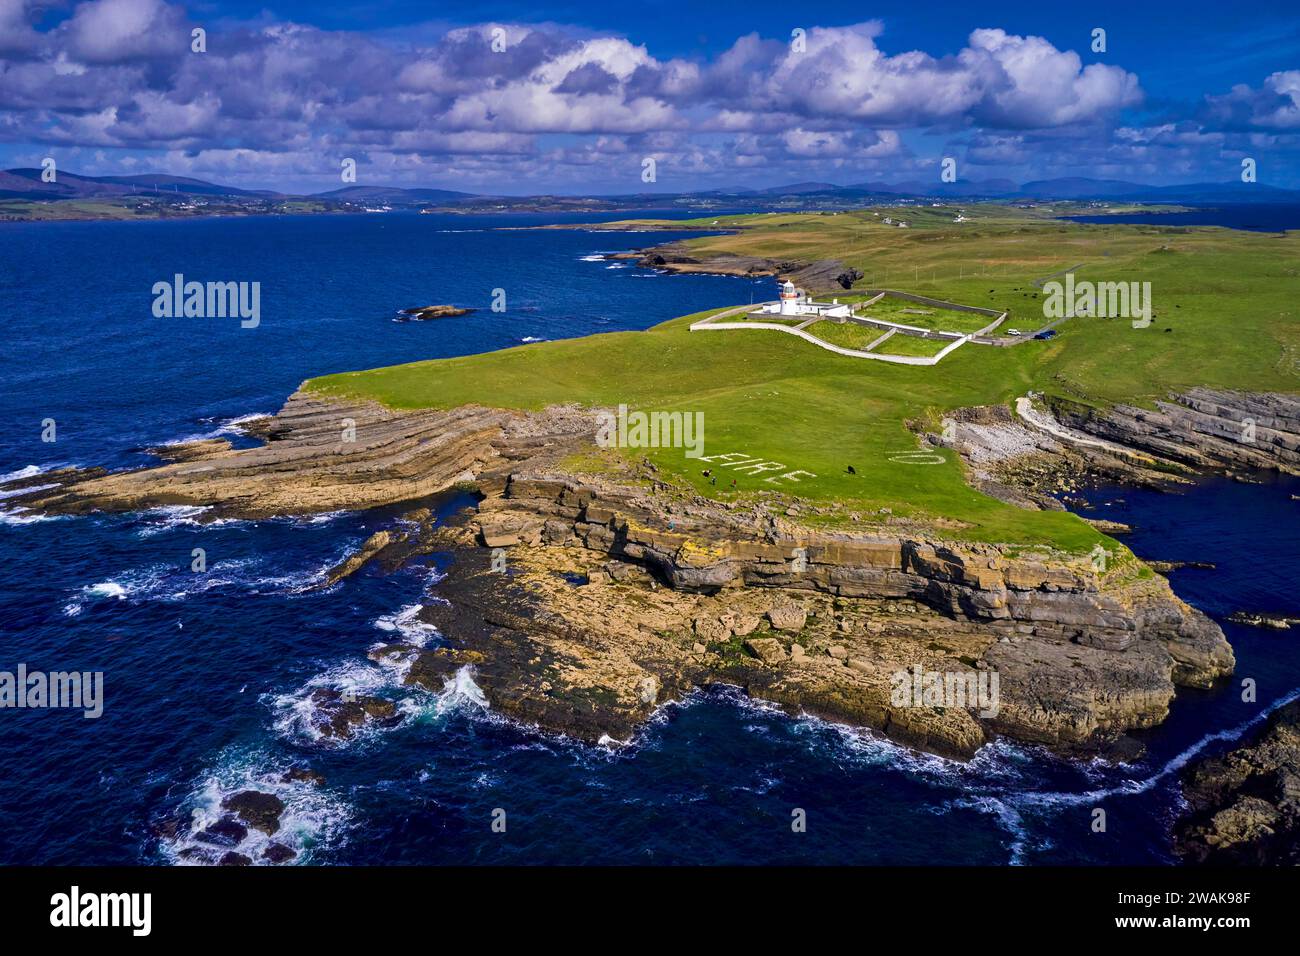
27	184
392	194
1074	188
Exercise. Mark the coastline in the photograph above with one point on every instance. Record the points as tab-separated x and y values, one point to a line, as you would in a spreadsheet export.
698	587
553	677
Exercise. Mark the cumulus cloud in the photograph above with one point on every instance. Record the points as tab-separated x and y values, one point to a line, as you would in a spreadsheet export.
114	31
1274	106
277	96
841	73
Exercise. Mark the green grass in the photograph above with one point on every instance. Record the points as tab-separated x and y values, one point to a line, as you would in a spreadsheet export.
903	312
901	344
1230	298
849	335
769	395
777	319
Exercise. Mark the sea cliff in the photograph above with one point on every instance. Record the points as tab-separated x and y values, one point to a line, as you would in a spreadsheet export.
585	597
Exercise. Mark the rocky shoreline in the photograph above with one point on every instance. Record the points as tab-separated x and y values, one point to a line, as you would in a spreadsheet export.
823	275
1244	806
620	591
580	603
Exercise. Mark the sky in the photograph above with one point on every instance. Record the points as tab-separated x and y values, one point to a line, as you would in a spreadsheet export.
644	96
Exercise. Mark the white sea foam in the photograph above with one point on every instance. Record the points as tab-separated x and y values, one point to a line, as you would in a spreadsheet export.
1172	766
174	583
314	821
459	692
166	517
26	490
27	472
294	713
1008	818
106	589
231	426
325	517
22	516
408	625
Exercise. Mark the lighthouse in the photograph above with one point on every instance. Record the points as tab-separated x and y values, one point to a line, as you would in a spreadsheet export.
789	299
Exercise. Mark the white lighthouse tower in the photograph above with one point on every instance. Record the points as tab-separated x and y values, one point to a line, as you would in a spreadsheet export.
789	299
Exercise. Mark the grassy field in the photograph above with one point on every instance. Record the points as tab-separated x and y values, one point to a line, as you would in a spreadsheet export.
901	344
66	209
849	335
775	319
924	316
1229	299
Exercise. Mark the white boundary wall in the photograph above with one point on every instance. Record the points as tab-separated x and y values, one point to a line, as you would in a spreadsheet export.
713	322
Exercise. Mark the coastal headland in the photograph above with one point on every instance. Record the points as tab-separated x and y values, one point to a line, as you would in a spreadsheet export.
842	525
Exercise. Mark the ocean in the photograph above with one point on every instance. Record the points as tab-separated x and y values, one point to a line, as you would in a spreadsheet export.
207	677
1255	217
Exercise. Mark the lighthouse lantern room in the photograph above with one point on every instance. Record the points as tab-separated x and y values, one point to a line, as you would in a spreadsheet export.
789	299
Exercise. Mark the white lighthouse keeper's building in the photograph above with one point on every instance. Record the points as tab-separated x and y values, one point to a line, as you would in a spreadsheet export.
795	303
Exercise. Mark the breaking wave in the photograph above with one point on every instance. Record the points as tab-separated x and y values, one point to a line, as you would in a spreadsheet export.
313	822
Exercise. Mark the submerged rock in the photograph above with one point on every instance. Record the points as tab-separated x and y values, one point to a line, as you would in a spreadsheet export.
337	714
278	853
225	832
303	775
259	810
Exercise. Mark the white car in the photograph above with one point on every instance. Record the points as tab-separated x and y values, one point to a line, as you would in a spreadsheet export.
1013	331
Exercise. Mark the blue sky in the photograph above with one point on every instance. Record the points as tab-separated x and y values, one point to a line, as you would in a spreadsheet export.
575	97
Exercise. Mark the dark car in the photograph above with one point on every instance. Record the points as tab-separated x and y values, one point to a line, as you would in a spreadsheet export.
1046	334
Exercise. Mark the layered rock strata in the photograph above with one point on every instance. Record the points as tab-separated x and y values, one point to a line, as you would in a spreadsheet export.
622	591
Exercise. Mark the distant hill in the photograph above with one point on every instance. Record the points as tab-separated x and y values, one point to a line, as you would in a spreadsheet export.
392	194
27	184
796	189
1080	188
961	188
1234	192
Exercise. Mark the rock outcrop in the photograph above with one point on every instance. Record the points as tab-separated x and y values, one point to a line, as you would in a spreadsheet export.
818	622
1244	806
319	456
1202	428
621	591
431	312
822	275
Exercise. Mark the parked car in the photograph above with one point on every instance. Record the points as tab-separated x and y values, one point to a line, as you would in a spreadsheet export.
1013	331
1046	334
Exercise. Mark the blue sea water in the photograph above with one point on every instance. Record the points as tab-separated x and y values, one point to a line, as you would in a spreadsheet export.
1254	217
207	676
